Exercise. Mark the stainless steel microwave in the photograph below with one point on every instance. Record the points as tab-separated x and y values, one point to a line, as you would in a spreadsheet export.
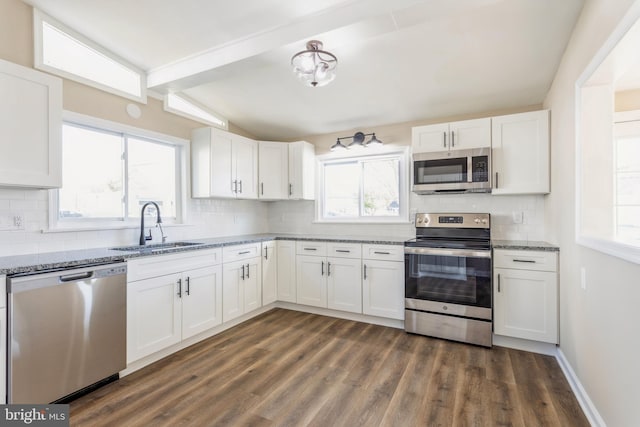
456	171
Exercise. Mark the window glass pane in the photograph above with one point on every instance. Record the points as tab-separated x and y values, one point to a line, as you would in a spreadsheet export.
152	176
61	51
628	189
628	154
381	179
341	190
92	174
628	225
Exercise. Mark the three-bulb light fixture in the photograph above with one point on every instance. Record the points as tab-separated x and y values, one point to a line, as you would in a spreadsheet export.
314	67
357	141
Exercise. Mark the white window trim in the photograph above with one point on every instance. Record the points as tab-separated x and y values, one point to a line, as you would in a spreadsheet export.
87	224
607	246
39	17
223	126
386	150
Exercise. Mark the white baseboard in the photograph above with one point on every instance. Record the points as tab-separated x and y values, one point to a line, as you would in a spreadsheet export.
525	345
589	409
382	321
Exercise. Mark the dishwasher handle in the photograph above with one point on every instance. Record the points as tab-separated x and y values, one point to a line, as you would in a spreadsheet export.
74	277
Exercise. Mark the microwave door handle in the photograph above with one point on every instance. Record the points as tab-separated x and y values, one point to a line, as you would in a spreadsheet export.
453	139
444	140
469	166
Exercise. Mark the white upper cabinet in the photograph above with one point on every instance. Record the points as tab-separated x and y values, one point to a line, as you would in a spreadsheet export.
30	128
461	135
302	169
273	170
223	165
520	153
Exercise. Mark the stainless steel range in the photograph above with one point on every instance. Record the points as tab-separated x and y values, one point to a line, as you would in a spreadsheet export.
448	278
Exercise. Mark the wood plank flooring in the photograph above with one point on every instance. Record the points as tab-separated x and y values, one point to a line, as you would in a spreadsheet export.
287	368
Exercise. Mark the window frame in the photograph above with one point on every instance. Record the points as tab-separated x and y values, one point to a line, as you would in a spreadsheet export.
401	153
182	177
39	17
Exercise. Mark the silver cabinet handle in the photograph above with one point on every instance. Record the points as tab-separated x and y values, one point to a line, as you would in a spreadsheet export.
179	288
240	185
242	272
498	283
322	269
266	253
496	179
310	249
262	188
343	251
365	271
248	270
234	186
188	286
444	140
290	189
453	139
328	269
244	252
381	253
525	260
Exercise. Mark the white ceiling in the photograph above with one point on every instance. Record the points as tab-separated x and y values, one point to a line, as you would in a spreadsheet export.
398	61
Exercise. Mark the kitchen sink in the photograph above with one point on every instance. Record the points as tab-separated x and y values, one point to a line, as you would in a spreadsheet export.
156	248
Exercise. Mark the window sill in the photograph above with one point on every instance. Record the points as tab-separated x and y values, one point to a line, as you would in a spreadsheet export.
620	250
96	227
359	221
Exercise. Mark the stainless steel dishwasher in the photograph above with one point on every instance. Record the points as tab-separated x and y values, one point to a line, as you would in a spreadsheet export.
67	331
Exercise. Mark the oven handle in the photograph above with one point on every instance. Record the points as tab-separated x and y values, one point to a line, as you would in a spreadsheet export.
448	252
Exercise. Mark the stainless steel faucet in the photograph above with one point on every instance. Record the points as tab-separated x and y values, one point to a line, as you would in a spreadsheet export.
143	238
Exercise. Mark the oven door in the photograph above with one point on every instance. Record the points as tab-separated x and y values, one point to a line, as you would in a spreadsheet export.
453	276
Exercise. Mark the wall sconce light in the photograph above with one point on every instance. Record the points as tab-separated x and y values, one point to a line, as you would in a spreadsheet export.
357	141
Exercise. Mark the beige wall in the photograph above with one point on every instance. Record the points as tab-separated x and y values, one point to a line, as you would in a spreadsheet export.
16	45
628	100
598	326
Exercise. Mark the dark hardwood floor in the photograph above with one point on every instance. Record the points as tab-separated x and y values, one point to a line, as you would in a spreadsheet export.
286	368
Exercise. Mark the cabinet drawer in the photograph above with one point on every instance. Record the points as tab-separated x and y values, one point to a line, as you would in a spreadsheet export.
311	248
344	250
240	252
154	266
525	260
383	252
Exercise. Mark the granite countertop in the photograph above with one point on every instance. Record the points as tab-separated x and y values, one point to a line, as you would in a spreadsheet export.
528	245
69	259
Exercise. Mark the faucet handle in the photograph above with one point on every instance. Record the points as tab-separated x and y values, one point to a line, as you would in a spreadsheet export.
148	237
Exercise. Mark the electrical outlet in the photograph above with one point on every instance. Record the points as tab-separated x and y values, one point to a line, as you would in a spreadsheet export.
517	217
18	222
583	278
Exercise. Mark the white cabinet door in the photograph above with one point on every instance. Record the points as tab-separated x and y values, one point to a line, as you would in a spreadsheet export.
269	273
383	288
3	355
201	300
153	315
520	153
245	154
30	127
526	304
222	165
252	284
286	260
344	284
431	138
469	134
232	290
302	163
311	280
273	170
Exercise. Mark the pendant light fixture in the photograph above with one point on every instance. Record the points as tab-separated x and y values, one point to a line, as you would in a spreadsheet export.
357	141
315	67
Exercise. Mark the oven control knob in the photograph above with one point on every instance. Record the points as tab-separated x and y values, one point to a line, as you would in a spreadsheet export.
444	307
477	220
484	221
419	220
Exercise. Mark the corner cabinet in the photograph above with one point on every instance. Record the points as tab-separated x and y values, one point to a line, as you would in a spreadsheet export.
520	153
171	298
302	169
269	272
286	170
223	165
525	294
31	129
460	135
286	259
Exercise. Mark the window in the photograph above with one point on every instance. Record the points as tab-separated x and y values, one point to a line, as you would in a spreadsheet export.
62	51
108	175
183	106
364	189
627	181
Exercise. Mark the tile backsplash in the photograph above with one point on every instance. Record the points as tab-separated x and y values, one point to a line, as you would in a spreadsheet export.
513	217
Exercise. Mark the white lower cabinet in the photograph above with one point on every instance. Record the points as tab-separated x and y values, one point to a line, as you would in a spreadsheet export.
526	295
164	310
286	266
3	340
383	281
311	280
344	284
241	280
269	272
